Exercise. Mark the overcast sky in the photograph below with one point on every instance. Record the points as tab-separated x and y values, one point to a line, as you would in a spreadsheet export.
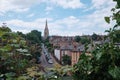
65	17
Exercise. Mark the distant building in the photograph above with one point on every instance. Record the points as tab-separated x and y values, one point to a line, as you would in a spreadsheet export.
66	45
46	31
67	50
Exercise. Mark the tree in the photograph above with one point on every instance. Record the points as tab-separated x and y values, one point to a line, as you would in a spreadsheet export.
103	61
21	34
66	60
85	40
96	37
11	60
5	29
37	33
77	38
34	36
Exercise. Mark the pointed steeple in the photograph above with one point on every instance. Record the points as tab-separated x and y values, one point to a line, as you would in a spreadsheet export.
46	26
46	31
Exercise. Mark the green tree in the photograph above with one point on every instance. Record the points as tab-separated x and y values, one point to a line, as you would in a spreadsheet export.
21	34
12	61
96	37
37	33
34	36
85	40
66	60
77	38
103	62
5	29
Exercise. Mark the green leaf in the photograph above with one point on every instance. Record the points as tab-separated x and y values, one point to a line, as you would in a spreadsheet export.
107	31
115	73
107	19
98	55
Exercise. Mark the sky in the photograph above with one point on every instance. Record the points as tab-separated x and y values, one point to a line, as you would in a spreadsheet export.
64	17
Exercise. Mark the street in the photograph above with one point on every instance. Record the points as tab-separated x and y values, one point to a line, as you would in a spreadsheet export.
44	61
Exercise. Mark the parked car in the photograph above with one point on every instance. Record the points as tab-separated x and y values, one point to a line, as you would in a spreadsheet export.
47	57
50	61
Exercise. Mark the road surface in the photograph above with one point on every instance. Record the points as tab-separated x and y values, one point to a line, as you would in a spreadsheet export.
44	61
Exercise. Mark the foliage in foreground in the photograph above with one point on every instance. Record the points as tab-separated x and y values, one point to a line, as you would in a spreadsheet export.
104	62
15	55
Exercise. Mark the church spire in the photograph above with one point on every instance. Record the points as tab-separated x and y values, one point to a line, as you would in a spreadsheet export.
46	31
46	26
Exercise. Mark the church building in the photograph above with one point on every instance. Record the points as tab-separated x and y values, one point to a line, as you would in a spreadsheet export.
46	31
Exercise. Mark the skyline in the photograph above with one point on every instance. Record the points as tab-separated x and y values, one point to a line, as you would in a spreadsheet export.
65	17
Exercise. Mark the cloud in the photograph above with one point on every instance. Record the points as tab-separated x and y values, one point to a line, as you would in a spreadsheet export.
24	5
8	5
100	4
68	3
101	9
31	15
55	26
48	9
27	26
68	26
17	5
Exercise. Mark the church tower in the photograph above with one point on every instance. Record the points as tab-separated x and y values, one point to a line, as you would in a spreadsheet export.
46	31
